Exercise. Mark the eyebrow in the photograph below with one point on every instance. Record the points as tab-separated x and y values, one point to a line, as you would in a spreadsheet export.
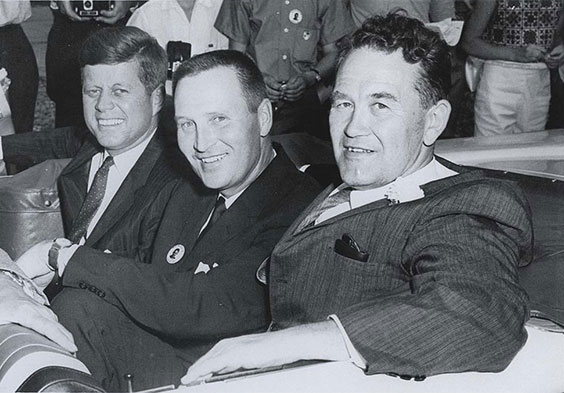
335	95
387	96
378	95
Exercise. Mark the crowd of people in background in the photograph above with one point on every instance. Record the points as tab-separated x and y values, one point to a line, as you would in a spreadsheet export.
506	68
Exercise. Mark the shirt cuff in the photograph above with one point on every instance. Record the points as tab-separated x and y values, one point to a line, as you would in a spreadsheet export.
355	356
1	150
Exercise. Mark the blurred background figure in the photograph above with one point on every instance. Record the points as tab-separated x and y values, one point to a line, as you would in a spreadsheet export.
188	21
424	10
295	45
68	32
183	27
18	59
516	40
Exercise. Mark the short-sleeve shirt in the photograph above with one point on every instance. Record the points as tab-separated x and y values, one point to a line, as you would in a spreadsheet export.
166	21
283	35
518	23
424	10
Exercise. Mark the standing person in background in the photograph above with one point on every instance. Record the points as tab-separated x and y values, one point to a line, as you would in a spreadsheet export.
284	39
181	20
514	38
65	39
424	10
18	58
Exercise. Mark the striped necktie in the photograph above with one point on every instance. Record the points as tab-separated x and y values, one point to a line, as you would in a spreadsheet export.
336	199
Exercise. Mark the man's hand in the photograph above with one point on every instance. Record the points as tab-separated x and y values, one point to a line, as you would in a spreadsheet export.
65	7
35	264
273	88
532	53
121	8
17	307
555	57
297	85
321	341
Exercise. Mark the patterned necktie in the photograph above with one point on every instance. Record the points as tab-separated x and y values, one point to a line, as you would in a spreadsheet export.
218	210
336	199
92	201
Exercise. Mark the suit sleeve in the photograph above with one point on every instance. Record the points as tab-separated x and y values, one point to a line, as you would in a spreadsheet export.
181	304
463	310
31	148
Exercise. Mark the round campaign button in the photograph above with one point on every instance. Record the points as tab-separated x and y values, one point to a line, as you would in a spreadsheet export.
295	16
175	254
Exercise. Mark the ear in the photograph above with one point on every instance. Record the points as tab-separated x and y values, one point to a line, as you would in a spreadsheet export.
157	99
264	113
436	120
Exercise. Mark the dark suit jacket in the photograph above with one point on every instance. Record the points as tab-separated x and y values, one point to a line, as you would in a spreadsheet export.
136	201
439	292
186	307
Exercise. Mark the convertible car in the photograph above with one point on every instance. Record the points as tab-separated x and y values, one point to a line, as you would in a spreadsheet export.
29	362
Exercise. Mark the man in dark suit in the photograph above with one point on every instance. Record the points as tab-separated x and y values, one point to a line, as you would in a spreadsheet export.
410	266
123	72
154	319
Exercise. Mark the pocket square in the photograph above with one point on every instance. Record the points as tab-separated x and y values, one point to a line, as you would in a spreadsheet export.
202	268
347	247
107	251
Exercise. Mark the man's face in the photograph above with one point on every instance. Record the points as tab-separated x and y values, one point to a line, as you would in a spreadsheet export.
216	131
118	110
376	120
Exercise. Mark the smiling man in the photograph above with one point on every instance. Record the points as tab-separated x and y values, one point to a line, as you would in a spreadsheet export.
409	266
123	75
154	319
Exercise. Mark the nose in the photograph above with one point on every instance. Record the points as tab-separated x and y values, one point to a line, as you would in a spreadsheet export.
358	124
104	102
204	139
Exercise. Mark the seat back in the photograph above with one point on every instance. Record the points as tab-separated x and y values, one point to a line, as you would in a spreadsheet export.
32	362
29	207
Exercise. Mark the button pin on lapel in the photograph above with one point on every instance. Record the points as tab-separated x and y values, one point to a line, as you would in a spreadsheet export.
175	254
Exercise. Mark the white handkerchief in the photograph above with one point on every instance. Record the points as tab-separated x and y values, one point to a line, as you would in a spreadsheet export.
449	30
202	268
107	251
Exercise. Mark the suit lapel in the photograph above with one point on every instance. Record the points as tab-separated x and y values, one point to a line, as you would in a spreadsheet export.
125	196
73	181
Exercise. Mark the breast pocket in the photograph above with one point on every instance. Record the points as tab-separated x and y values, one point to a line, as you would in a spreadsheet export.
305	45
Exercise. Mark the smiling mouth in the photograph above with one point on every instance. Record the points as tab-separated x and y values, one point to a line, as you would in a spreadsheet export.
357	150
110	122
212	159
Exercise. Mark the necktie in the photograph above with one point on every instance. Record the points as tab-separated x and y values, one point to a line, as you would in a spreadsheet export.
336	199
92	201
218	210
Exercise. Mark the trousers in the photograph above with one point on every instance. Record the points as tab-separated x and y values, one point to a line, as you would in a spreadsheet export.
511	98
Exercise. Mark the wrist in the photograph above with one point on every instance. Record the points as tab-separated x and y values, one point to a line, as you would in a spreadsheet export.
57	246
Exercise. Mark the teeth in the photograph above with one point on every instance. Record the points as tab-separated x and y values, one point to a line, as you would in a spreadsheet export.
209	160
110	122
358	150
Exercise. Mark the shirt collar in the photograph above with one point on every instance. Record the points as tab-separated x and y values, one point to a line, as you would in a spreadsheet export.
403	189
231	200
125	161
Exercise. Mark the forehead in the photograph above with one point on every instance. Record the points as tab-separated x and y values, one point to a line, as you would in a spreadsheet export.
214	89
365	70
120	73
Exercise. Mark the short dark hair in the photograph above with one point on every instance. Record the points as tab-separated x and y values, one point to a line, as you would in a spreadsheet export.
418	44
248	74
121	44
